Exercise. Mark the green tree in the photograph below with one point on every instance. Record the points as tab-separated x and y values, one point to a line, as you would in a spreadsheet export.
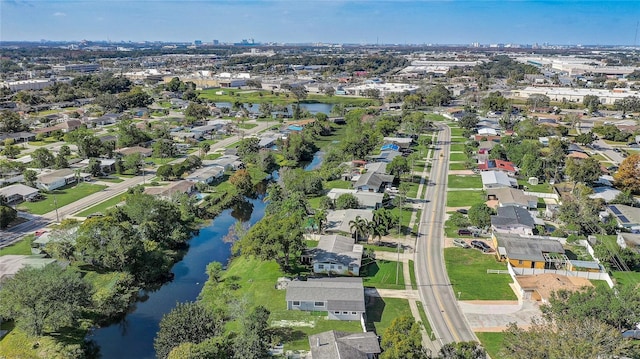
241	180
197	111
7	215
462	350
204	148
359	227
583	171
43	158
164	149
30	177
347	201
10	122
61	161
10	150
251	342
189	322
585	138
44	299
469	121
402	339
398	166
109	244
538	100
165	172
591	102
480	215
248	149
214	271
94	167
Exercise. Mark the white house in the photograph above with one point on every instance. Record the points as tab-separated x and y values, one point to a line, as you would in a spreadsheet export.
497	179
335	254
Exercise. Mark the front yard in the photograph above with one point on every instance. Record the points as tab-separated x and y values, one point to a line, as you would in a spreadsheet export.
467	269
464	198
382	274
62	196
456	181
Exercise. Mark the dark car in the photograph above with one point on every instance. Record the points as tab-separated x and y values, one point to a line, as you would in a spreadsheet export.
481	246
464	232
462	210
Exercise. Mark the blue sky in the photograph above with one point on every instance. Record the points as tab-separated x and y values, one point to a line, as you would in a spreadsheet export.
337	21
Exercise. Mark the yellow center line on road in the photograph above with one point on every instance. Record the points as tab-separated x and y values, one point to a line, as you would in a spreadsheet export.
436	293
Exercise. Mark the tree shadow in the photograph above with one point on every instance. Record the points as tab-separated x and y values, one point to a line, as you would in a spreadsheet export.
277	335
374	307
370	270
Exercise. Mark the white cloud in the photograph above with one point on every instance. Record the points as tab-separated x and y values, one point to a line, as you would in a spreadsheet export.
59	14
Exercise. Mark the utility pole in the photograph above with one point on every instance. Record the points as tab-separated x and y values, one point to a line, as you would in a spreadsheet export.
398	262
55	204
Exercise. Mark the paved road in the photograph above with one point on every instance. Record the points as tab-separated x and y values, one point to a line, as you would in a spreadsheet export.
436	293
39	222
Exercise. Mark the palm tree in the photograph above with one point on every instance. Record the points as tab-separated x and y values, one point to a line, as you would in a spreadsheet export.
359	226
377	230
320	219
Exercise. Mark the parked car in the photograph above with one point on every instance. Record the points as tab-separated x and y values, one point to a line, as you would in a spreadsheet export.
464	232
459	242
462	210
481	246
631	334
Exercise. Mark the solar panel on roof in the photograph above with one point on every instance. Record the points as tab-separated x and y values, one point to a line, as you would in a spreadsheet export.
615	210
623	219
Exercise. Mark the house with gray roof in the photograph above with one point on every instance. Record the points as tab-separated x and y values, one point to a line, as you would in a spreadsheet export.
374	179
497	179
513	219
206	174
10	264
338	220
529	252
627	216
629	240
335	254
367	200
18	193
334	344
342	298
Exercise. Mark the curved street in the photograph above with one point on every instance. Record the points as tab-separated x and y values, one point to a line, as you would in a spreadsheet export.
444	314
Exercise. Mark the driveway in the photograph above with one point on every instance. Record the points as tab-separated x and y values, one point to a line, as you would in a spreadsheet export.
495	316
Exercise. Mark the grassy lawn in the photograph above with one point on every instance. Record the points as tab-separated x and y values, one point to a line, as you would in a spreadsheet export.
455	140
382	311
259	96
256	285
424	319
63	197
458	157
412	275
247	126
314	202
456	131
382	274
102	207
464	198
21	247
457	147
626	278
412	191
456	181
374	247
467	269
405	216
542	187
435	117
492	342
456	166
338	184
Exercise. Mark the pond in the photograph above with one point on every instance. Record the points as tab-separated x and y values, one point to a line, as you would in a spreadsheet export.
133	336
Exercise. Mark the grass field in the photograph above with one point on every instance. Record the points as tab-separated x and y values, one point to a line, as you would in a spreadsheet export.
457	166
458	147
374	247
412	275
424	319
101	207
338	184
467	269
459	140
63	197
21	247
382	311
256	281
382	274
542	187
464	198
492	342
626	278
456	131
260	96
456	181
458	157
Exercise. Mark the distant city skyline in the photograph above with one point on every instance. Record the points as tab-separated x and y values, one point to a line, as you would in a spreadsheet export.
329	21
